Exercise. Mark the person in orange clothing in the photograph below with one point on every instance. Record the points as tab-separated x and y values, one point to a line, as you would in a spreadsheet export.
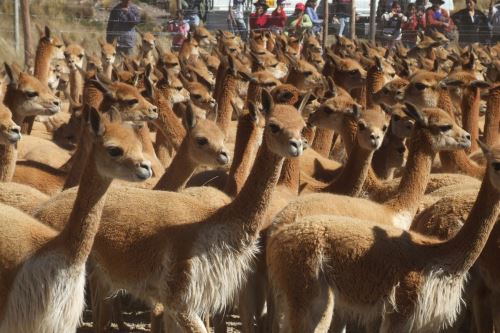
438	18
279	15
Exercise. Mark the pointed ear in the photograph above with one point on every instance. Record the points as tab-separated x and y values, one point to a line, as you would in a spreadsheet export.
378	64
411	111
479	84
10	74
484	147
214	114
95	122
148	82
356	111
65	39
103	87
245	76
236	109
231	65
189	117
304	102
267	102
114	115
114	43
386	108
47	32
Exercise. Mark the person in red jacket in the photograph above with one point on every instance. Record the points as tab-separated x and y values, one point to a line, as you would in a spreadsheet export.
259	19
279	15
410	28
438	18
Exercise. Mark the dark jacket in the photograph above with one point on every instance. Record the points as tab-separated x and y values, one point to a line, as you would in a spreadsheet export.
121	25
471	31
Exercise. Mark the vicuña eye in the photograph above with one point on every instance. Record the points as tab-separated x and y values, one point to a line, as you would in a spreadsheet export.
361	126
201	141
31	94
115	151
445	128
274	128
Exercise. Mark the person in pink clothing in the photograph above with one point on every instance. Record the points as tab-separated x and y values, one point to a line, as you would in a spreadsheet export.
410	28
279	15
180	28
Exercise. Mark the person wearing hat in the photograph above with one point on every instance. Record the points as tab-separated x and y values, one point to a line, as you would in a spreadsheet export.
279	15
299	21
438	18
259	19
472	24
311	12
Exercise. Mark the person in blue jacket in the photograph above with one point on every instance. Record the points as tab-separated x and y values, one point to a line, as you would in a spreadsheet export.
311	12
121	26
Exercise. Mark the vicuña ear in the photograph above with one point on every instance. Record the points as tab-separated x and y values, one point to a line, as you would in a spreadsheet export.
114	115
103	87
236	109
95	121
148	82
189	117
484	147
386	108
47	32
479	84
267	103
214	114
411	111
10	74
303	103
378	64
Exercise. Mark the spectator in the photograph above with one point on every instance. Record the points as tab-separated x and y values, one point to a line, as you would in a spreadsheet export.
342	12
259	19
181	28
472	24
311	12
415	23
299	21
494	15
121	26
392	22
438	18
237	16
279	15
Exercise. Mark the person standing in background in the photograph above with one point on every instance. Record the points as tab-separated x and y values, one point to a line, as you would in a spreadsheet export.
279	16
259	19
494	16
237	16
410	29
121	26
299	22
393	21
342	10
313	15
472	24
439	19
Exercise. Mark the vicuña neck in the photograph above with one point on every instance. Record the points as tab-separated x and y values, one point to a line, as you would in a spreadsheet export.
416	174
78	235
227	94
374	82
254	93
178	173
290	175
470	114
250	206
351	179
168	123
42	61
76	85
244	149
323	141
108	70
458	254
8	157
492	121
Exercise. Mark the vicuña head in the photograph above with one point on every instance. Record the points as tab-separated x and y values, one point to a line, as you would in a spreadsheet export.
10	133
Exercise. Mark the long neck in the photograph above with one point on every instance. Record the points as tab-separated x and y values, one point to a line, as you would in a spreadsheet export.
374	82
416	174
457	160
168	123
458	254
249	208
227	94
80	156
309	134
350	181
42	61
148	148
444	102
76	85
178	173
290	175
108	70
254	93
244	147
359	94
470	115
85	216
8	157
492	121
323	141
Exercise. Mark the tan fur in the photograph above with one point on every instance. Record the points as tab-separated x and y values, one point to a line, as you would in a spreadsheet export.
419	290
190	289
38	264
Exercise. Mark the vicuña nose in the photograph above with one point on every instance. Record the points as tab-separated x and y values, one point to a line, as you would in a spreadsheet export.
373	136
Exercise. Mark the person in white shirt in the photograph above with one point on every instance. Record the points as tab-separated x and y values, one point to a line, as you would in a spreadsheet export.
392	24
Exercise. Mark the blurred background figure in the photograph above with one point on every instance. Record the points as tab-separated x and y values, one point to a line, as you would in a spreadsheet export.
342	12
472	24
313	15
181	29
259	19
410	28
121	26
279	16
392	22
236	19
299	21
438	18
